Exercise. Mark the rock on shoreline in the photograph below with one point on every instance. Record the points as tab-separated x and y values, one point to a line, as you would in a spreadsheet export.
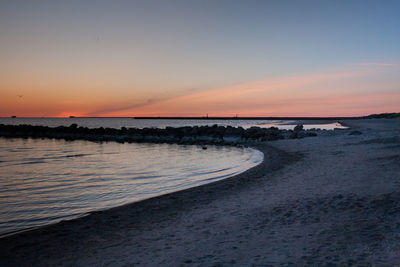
183	135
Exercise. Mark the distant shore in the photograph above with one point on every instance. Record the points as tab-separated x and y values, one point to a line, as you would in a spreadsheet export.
250	118
330	199
296	118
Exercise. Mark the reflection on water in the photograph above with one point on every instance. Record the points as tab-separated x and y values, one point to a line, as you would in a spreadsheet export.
289	125
44	181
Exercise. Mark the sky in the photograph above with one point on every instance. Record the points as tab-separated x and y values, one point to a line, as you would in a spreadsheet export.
192	58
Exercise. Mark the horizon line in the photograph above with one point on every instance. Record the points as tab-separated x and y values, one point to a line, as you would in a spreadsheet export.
209	117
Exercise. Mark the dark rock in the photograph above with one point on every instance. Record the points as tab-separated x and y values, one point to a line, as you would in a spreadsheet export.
231	131
301	134
254	133
298	128
201	135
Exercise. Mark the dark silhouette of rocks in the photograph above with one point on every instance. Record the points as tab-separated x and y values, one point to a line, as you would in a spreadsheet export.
182	135
298	127
299	132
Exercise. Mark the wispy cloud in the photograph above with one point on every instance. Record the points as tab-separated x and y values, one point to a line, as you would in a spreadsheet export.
315	94
260	97
105	110
111	109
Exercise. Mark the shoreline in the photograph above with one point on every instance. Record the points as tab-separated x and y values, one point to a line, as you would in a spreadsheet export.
254	151
65	233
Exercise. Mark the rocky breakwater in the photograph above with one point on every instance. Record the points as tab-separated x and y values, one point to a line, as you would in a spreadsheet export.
182	135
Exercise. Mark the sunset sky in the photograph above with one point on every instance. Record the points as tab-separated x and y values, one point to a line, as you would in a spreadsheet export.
191	58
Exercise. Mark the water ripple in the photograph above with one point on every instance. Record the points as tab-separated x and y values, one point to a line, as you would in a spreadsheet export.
44	181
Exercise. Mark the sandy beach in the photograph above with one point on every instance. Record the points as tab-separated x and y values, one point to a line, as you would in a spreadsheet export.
330	199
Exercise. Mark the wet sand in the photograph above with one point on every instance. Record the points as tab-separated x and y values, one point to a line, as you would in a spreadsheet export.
331	199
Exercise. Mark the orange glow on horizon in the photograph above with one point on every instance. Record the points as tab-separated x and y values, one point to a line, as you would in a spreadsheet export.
311	95
341	93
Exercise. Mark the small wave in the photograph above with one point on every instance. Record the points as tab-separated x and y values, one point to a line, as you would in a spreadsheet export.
76	155
128	173
68	156
212	171
30	162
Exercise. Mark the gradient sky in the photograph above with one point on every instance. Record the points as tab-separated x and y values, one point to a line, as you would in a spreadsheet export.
191	58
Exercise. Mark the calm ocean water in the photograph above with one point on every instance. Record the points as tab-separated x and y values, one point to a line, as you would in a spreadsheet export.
45	181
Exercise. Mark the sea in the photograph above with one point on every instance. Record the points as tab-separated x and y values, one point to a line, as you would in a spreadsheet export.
44	181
